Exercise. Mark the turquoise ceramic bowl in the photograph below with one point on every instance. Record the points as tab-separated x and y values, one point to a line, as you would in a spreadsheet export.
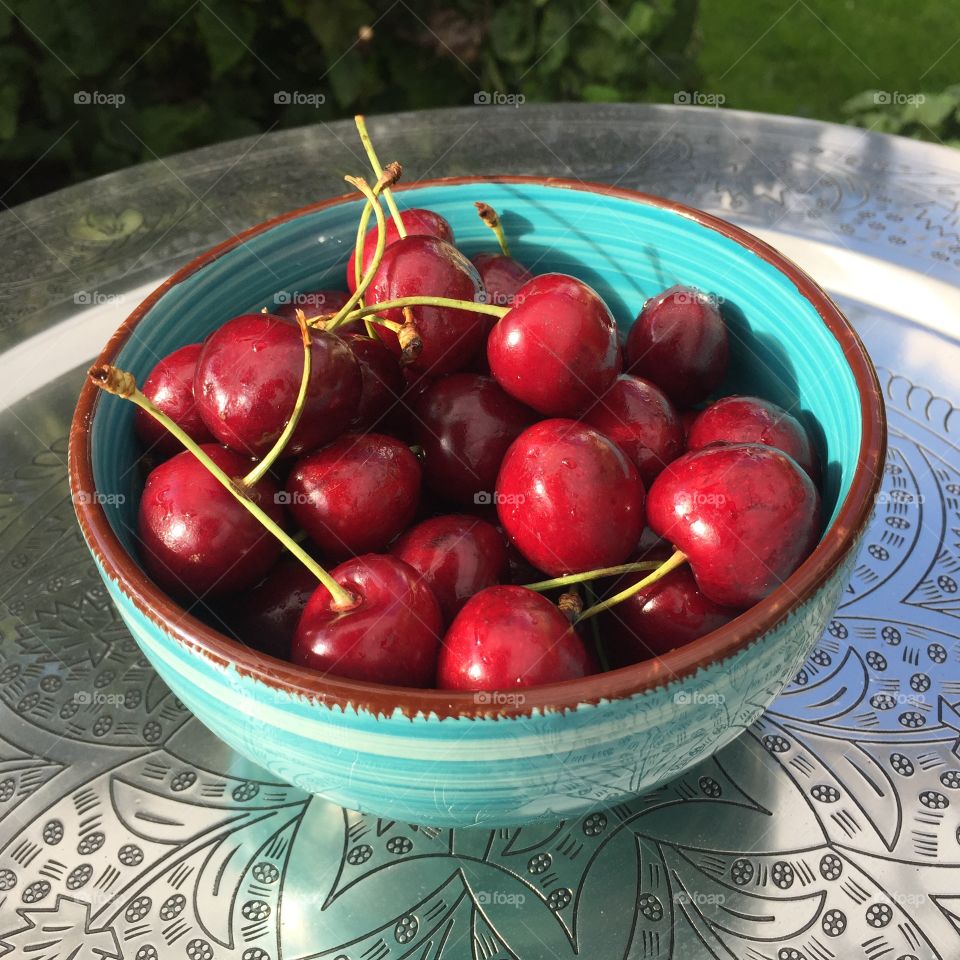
456	759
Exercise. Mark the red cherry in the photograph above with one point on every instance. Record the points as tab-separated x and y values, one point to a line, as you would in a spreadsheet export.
641	421
428	266
266	617
502	277
312	304
679	341
197	539
668	613
569	498
465	422
391	635
506	638
170	386
424	223
382	383
456	555
355	495
753	420
248	377
745	515
556	350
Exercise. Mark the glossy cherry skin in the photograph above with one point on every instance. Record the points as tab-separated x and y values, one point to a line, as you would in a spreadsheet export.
248	378
355	495
569	498
170	386
382	383
637	416
313	303
745	515
679	341
754	420
457	555
557	349
502	277
391	635
429	266
196	538
507	638
417	222
465	422
664	615
266	617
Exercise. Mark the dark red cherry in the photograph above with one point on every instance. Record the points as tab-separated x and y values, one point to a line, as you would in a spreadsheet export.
637	416
355	495
569	498
556	350
664	615
248	377
686	419
428	266
382	383
196	539
266	617
391	635
416	222
508	638
502	277
679	341
753	420
313	303
465	422
745	515
170	386
457	556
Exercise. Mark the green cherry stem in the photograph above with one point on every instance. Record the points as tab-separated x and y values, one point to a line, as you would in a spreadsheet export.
677	559
341	315
489	216
471	305
637	567
378	170
124	385
391	174
277	449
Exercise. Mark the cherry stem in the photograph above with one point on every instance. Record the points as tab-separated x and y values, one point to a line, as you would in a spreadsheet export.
489	216
340	316
637	567
391	174
471	305
378	170
257	473
124	385
598	644
677	559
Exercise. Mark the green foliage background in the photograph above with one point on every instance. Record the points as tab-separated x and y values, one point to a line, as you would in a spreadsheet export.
194	73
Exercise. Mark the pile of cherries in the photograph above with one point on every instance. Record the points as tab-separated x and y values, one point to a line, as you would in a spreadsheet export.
456	475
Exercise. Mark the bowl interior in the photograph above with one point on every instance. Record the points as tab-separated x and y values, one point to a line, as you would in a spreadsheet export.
626	249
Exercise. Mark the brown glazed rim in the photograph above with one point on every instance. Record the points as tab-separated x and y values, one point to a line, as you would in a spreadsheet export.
638	678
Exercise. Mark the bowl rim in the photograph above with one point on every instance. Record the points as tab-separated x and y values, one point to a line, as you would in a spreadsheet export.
381	700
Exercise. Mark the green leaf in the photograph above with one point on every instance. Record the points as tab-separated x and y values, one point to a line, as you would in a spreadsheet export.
866	101
640	19
932	112
347	79
227	35
553	43
598	92
513	32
